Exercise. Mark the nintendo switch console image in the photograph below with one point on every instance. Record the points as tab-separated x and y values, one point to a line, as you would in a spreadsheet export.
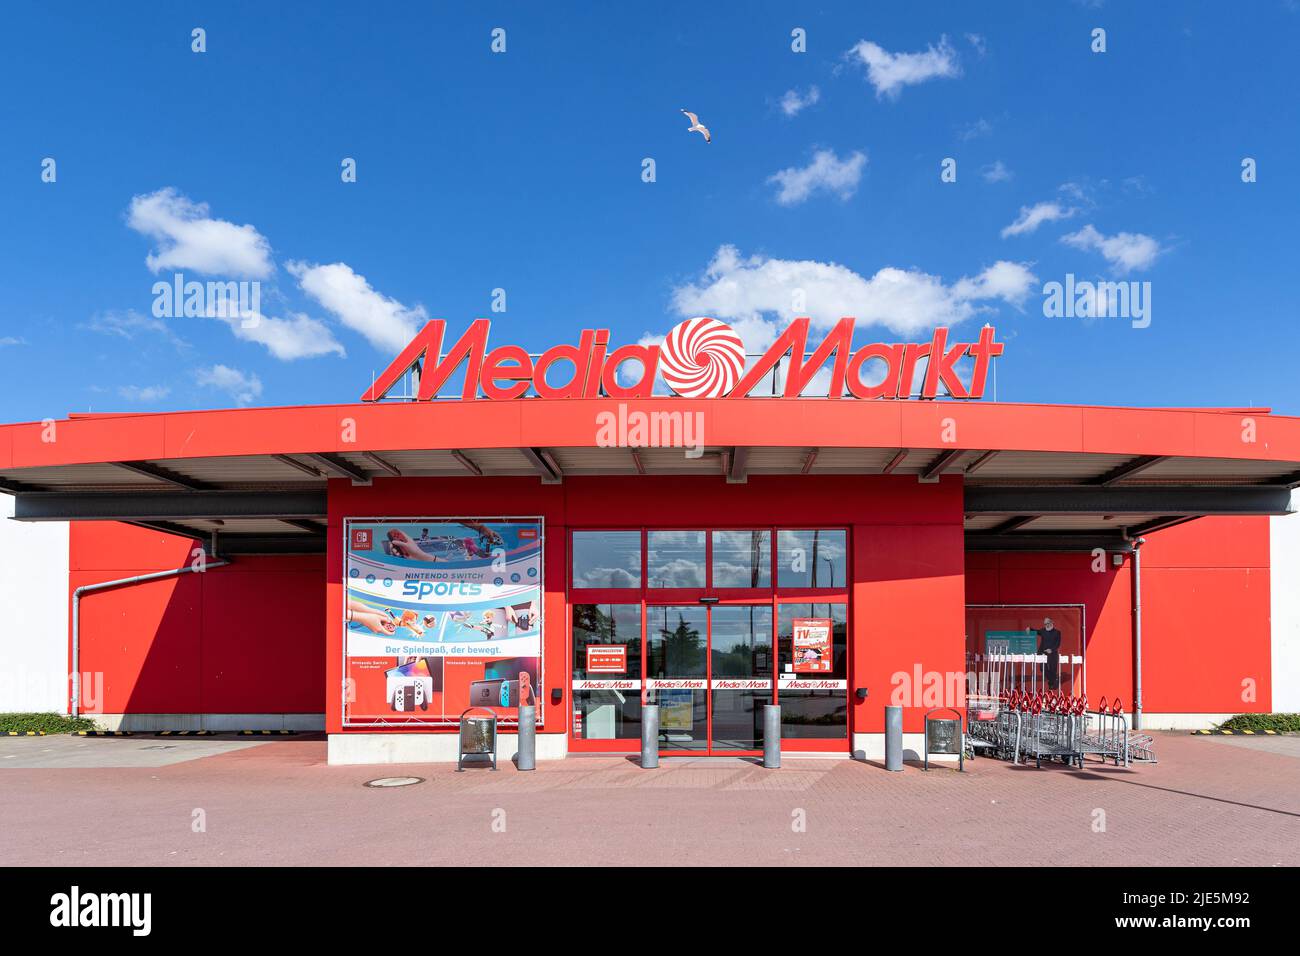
494	693
411	686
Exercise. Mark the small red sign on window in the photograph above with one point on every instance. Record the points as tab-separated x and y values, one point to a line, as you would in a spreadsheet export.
606	659
363	539
527	534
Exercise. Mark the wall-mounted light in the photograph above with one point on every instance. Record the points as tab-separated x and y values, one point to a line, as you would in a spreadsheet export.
862	693
708	600
557	694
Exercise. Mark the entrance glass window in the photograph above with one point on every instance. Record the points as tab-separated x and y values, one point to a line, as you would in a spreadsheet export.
812	559
607	559
742	559
675	559
607	671
707	634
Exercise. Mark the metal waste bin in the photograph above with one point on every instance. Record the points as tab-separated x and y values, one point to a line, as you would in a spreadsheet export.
478	736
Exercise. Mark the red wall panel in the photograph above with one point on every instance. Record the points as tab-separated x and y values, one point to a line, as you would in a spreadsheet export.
1205	623
908	616
245	638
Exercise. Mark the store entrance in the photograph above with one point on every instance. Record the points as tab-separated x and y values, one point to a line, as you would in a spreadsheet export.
710	668
704	623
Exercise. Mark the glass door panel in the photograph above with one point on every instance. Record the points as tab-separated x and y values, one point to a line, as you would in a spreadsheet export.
740	641
677	664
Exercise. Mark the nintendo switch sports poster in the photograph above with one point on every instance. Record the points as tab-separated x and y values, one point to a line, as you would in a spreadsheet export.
442	615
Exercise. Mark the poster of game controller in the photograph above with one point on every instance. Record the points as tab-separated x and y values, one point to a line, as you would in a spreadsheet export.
441	614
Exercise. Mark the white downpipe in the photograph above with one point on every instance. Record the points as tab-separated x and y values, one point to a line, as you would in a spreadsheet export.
103	585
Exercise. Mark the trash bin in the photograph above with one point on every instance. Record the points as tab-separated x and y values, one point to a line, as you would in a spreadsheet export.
478	736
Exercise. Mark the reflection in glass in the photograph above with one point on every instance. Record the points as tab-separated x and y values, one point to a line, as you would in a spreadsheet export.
812	559
738	719
813	713
677	640
606	624
607	714
675	559
607	559
742	559
742	641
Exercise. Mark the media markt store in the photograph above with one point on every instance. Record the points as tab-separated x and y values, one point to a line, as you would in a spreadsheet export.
825	527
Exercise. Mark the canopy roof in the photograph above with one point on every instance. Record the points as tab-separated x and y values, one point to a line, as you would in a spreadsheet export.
1041	477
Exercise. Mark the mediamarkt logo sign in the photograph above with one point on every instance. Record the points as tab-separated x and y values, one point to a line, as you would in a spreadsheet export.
700	358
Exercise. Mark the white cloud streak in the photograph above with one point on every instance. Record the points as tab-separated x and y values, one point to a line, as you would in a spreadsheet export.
385	323
1125	251
189	238
890	72
1031	217
243	388
754	293
825	173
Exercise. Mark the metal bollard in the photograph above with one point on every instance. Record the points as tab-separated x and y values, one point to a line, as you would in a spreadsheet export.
649	736
772	736
894	738
527	756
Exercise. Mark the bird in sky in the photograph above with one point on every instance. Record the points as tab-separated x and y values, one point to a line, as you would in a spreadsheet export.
697	127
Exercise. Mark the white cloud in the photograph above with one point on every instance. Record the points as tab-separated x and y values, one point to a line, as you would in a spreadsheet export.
189	238
9	340
242	387
128	323
385	322
1031	217
996	172
826	173
144	393
794	102
890	72
753	293
298	336
978	42
981	127
1125	251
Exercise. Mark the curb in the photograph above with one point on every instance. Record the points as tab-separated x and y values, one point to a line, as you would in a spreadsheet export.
1234	733
102	733
184	733
267	733
25	733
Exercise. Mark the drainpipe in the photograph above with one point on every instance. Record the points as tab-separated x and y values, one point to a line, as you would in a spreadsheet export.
104	585
1137	628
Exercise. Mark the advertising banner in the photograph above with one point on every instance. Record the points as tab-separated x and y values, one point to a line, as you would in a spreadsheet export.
442	614
812	645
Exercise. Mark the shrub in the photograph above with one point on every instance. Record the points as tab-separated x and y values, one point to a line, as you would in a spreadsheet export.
47	723
1281	723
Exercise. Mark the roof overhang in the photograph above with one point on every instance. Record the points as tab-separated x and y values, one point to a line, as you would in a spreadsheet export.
1037	477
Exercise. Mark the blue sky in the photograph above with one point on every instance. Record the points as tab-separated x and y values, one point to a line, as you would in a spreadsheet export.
522	170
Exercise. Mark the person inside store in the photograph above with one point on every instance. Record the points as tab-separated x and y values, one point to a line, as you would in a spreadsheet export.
1049	643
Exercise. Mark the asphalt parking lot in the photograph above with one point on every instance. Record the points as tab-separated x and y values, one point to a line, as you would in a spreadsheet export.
149	800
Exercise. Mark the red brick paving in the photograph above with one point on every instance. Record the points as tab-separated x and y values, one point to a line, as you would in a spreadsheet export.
280	804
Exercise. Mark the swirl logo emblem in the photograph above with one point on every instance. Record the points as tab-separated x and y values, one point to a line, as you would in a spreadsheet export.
702	358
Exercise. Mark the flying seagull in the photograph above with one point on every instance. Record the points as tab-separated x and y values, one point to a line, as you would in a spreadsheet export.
697	127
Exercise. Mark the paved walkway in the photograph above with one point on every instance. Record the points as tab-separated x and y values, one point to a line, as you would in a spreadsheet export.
277	802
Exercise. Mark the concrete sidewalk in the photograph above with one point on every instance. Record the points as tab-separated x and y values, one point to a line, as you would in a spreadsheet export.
278	803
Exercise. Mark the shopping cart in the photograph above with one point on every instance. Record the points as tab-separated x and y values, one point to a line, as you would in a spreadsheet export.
1050	728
